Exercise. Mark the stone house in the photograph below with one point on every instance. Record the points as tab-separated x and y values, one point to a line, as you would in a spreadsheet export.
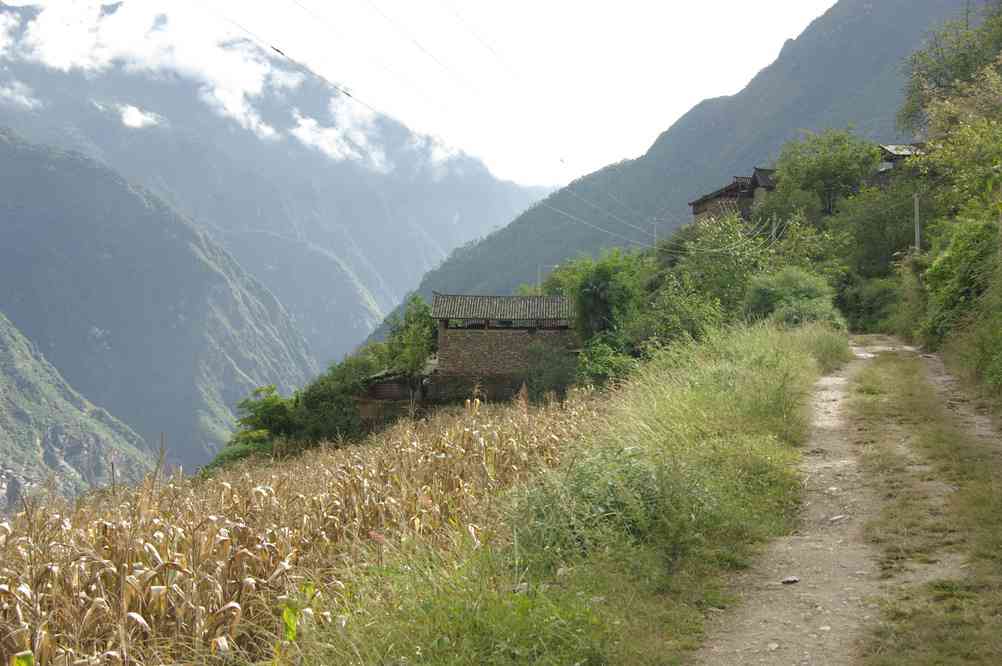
488	341
738	196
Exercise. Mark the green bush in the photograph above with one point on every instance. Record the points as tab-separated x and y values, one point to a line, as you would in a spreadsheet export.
958	277
791	297
678	310
600	362
553	370
868	305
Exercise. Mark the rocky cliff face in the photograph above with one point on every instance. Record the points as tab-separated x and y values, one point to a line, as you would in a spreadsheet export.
137	308
50	434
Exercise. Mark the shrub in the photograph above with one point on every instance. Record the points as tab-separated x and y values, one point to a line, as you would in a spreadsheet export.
677	311
868	305
600	362
791	297
959	277
553	370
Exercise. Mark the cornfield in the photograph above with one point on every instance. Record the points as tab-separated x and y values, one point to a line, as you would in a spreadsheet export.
187	568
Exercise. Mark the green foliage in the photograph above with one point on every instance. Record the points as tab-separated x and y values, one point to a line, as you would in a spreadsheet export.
696	456
868	305
959	277
954	54
791	297
412	339
600	362
721	259
677	310
823	168
325	409
553	371
879	224
607	292
476	611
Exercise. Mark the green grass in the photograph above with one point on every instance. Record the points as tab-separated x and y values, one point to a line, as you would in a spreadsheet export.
618	555
957	620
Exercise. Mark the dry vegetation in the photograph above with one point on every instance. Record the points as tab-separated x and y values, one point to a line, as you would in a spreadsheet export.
589	532
180	567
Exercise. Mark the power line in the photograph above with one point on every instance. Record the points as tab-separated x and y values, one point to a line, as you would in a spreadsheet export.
594	226
268	46
379	61
570	189
421	47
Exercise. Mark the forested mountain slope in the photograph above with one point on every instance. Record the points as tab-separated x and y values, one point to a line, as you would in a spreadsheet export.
135	306
266	156
47	429
845	69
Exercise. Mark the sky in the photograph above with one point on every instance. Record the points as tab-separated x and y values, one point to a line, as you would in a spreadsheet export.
543	91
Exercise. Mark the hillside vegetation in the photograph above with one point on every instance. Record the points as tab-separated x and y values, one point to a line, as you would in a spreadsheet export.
844	70
138	310
50	434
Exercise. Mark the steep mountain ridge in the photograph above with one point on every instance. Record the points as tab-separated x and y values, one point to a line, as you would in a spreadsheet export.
295	164
49	431
846	69
137	308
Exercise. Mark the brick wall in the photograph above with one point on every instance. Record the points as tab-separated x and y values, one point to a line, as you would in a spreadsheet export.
489	352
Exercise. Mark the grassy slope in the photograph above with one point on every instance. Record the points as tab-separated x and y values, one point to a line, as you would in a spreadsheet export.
958	620
447	541
48	429
616	555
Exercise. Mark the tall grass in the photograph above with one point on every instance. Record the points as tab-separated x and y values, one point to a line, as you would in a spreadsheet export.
493	534
612	556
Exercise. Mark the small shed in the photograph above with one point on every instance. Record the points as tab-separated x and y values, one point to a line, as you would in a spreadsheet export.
492	336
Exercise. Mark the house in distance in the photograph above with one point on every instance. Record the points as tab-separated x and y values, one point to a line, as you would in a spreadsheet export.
739	196
492	341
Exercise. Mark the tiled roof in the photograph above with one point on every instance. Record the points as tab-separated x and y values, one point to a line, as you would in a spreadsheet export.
902	150
451	306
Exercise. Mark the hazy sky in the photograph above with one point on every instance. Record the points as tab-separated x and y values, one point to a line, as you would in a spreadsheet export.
542	90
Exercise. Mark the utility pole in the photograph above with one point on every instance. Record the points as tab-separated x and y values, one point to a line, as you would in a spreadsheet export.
655	225
918	225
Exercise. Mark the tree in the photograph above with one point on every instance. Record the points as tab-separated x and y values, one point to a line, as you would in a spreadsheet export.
609	291
412	340
822	168
720	260
954	56
880	224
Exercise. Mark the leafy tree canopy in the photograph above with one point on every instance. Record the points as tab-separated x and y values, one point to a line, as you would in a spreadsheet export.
817	171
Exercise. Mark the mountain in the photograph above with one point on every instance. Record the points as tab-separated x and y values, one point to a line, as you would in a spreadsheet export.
846	69
138	308
48	431
336	209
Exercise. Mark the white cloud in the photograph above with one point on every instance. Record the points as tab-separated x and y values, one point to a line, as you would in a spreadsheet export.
17	93
133	116
350	137
347	140
8	24
81	34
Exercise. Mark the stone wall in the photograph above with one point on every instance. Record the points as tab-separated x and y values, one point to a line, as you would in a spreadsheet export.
490	352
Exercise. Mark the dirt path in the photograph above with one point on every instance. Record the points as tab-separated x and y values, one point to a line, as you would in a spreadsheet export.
818	619
821	618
